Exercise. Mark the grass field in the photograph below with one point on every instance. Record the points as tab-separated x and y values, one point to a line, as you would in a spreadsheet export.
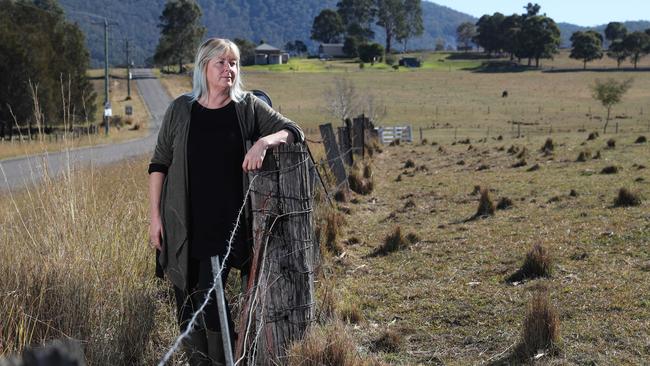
118	93
440	299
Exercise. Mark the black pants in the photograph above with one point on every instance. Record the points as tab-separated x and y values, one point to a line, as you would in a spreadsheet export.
187	302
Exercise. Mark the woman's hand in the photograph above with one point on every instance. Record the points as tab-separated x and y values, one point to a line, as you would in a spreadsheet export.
255	156
155	233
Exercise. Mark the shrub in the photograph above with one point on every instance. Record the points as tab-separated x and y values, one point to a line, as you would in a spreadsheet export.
362	65
626	198
412	238
370	52
541	328
641	140
537	263
597	156
573	193
390	59
341	195
512	150
533	168
395	67
409	164
611	143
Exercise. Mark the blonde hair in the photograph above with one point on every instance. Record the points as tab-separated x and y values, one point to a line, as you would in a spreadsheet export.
213	48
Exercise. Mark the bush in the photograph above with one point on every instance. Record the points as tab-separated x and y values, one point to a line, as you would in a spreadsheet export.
390	59
592	136
548	146
389	342
583	156
537	263
409	164
392	242
612	169
611	143
485	204
351	47
641	140
370	52
520	163
504	203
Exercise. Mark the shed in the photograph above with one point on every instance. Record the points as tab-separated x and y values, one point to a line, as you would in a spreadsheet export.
329	50
265	54
410	62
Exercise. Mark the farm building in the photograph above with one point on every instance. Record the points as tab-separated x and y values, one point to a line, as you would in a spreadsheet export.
265	54
329	50
410	62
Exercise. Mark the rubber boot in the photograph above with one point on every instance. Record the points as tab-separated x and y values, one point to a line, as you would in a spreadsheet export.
215	348
196	348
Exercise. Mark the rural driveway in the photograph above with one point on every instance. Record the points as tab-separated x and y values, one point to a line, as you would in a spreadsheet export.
19	172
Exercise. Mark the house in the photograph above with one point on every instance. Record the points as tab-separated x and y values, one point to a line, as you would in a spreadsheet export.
330	50
265	54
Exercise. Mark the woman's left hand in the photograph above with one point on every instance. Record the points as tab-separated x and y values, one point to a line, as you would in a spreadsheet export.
255	156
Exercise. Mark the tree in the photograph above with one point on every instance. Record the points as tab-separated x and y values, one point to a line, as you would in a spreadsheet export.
357	17
618	52
43	59
465	33
246	51
327	27
539	37
586	46
615	31
413	25
181	32
609	93
299	46
532	9
440	44
510	31
488	33
342	100
392	17
637	45
351	46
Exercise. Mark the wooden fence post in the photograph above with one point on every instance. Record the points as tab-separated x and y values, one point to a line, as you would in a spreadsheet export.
334	155
358	135
345	145
284	257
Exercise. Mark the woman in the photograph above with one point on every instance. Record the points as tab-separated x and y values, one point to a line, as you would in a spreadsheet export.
197	184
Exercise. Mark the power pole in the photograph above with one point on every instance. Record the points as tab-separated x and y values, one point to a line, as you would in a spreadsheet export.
107	103
128	72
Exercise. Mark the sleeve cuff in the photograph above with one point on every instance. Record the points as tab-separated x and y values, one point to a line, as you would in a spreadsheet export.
161	168
295	133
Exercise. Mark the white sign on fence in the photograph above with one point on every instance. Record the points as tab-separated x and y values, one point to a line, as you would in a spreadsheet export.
391	133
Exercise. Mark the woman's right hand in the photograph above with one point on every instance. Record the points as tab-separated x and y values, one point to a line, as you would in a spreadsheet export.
155	233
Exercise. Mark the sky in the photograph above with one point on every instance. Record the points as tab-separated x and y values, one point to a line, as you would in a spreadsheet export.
580	12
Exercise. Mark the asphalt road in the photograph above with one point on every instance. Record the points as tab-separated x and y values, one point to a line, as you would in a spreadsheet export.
24	171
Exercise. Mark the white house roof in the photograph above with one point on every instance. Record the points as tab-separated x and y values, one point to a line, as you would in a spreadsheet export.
266	47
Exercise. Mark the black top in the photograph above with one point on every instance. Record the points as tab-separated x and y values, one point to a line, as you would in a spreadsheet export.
215	152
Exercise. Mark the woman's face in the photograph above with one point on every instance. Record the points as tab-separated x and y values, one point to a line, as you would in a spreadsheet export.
221	72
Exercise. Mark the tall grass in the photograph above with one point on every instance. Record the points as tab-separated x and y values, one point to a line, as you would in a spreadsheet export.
74	263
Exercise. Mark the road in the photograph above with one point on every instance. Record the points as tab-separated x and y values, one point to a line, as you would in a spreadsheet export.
20	172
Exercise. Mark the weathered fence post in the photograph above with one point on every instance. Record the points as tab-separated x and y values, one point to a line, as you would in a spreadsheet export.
345	145
281	281
358	135
333	153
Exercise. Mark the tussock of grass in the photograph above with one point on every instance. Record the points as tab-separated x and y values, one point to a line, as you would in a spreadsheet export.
612	169
482	167
358	183
592	136
548	146
641	140
504	203
597	156
392	242
573	193
334	222
541	328
367	171
611	143
537	264
533	168
626	198
583	156
349	312
326	345
390	341
341	195
522	154
512	150
409	164
485	205
519	164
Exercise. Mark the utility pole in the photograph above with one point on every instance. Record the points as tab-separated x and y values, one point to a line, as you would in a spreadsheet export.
128	72
107	102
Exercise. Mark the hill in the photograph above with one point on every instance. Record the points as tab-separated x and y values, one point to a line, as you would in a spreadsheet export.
275	21
567	29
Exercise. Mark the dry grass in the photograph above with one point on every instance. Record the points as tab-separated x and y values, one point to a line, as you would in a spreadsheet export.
485	205
541	329
49	143
74	262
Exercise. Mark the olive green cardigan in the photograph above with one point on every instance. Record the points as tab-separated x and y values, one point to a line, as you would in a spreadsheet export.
256	119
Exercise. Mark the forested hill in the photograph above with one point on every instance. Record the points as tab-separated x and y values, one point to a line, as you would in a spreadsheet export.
568	29
275	21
